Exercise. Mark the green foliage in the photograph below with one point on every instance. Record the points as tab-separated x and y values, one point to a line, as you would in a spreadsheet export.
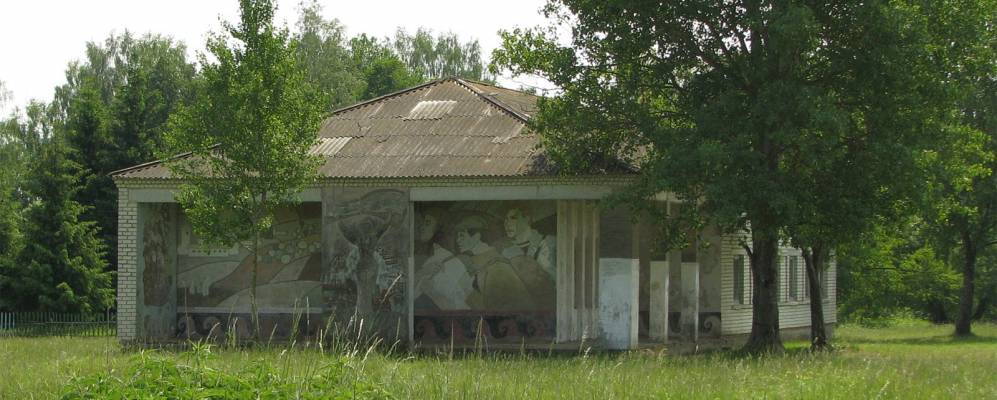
383	72
364	67
152	375
20	139
114	108
248	134
779	115
249	131
962	204
323	51
441	56
896	270
61	267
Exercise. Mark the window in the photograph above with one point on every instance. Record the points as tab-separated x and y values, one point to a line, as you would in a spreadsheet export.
779	291
794	278
739	279
824	281
806	283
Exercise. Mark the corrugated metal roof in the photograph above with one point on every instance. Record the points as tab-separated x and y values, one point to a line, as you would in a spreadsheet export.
446	128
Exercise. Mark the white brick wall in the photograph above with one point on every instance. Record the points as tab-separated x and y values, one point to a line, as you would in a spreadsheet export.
127	265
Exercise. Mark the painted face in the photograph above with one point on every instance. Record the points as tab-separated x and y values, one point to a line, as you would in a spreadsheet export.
428	228
516	223
467	241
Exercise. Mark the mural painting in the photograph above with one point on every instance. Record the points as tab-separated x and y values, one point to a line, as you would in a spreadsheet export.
484	269
213	284
159	271
367	239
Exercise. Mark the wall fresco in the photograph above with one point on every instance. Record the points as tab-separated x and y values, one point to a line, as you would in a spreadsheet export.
366	252
213	284
484	268
158	276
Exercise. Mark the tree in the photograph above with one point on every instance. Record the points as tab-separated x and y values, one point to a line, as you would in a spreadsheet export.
441	56
962	198
738	108
61	267
20	139
322	50
114	105
383	72
248	134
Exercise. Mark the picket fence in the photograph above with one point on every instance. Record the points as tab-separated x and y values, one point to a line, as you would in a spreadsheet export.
28	324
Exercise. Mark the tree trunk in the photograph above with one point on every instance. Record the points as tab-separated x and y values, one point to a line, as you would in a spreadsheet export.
765	310
981	308
254	311
962	322
814	260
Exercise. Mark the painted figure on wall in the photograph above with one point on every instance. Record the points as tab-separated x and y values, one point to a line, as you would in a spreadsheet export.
527	240
494	283
489	259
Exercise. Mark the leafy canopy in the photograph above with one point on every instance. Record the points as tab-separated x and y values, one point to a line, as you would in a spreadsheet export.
249	130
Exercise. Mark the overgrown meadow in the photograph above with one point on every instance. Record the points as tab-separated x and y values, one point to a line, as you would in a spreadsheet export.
911	359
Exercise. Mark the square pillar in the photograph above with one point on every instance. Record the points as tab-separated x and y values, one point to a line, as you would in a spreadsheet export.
658	305
619	270
689	321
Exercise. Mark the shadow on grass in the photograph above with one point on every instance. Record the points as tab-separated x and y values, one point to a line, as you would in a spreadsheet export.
933	340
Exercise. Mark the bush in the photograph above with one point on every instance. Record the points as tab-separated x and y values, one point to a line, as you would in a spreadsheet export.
159	376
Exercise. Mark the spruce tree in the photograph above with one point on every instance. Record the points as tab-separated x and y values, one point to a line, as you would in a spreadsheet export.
61	267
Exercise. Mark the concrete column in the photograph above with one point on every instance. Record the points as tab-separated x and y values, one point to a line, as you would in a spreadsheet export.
618	302
689	322
658	305
619	269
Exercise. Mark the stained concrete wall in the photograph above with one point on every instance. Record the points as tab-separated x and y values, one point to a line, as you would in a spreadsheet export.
214	282
157	271
366	251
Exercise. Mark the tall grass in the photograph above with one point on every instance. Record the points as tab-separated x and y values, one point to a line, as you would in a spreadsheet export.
915	360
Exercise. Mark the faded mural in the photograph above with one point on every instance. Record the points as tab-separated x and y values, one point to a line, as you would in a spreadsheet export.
366	240
158	278
484	268
213	284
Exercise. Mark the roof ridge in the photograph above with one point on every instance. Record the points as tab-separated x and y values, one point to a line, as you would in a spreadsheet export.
154	162
491	99
388	96
466	83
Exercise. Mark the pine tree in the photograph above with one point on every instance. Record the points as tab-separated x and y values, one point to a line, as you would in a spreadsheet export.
61	267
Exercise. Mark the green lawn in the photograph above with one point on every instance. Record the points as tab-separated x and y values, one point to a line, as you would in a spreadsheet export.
915	360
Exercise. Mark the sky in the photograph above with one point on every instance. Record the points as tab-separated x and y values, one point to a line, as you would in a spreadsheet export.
38	38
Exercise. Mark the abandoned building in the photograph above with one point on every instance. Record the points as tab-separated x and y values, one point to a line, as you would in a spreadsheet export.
436	218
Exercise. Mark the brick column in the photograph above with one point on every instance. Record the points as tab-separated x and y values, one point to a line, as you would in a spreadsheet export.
127	266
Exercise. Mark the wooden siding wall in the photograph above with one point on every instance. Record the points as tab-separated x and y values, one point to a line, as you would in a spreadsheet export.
736	318
577	270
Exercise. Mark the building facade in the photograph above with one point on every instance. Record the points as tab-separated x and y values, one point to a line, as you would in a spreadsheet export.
438	220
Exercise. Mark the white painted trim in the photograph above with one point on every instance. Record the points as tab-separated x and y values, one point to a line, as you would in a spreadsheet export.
517	192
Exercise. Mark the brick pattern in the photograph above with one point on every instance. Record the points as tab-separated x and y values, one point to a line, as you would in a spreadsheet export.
127	266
